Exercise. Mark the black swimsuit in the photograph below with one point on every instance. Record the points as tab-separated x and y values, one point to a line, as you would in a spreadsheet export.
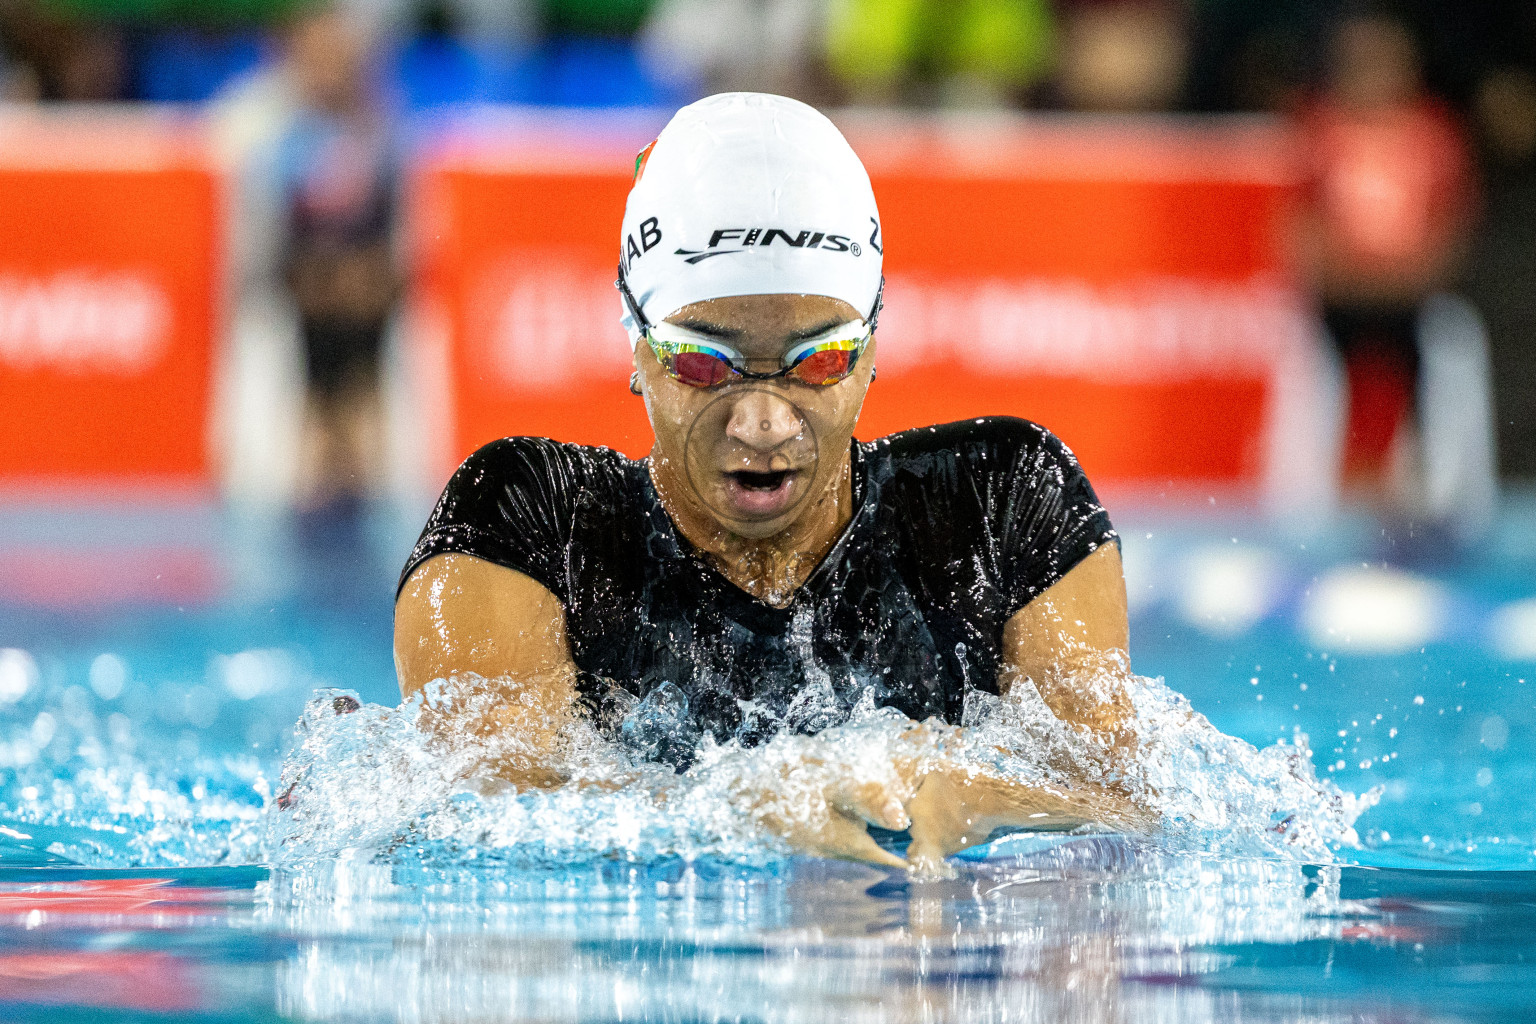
955	528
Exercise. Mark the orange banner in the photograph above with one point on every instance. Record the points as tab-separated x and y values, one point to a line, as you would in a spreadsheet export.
109	259
1120	282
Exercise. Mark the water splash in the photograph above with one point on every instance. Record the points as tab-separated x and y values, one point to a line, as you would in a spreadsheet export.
86	785
370	778
111	798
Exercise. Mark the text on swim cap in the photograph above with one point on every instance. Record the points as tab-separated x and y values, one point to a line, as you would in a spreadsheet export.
746	237
650	234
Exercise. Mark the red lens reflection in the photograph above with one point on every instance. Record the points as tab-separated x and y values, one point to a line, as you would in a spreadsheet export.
700	370
825	367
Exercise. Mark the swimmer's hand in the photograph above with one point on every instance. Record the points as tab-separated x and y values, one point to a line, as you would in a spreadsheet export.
946	806
956	807
822	804
957	803
824	810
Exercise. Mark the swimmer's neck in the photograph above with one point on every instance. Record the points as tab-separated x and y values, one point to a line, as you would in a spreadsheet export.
771	568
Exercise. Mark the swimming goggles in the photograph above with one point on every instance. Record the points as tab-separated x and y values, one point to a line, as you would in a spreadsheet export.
703	362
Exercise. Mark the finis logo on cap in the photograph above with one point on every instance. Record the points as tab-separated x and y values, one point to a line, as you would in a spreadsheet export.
640	159
744	237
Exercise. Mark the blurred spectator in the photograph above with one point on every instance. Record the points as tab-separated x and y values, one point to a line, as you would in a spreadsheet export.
1501	276
722	45
946	51
1256	54
54	55
336	165
1391	204
1123	56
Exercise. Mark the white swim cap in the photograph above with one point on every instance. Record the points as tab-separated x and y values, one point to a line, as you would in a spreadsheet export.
745	193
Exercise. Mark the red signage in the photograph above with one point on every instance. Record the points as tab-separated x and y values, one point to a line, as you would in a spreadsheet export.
1121	283
109	263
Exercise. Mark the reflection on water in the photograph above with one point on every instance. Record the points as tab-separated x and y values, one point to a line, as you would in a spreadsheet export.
1064	928
400	888
1061	929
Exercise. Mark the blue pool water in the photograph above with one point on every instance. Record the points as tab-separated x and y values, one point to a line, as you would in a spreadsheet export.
154	659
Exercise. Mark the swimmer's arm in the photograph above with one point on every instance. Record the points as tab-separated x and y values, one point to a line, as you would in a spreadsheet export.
458	615
1077	630
1073	643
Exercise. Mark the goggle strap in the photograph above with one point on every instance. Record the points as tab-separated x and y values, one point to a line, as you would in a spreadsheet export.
634	307
874	311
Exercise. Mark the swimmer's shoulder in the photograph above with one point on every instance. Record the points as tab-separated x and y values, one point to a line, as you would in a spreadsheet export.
514	501
983	444
998	476
531	485
542	469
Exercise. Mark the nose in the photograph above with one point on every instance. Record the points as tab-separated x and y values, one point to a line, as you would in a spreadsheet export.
762	420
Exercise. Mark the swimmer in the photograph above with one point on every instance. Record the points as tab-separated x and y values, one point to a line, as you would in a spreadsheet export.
762	570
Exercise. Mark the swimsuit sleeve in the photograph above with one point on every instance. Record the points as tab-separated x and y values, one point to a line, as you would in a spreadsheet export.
1043	515
510	503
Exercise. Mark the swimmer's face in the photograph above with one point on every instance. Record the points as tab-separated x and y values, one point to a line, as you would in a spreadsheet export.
755	456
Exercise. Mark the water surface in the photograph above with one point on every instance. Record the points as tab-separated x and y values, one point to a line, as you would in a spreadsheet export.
155	659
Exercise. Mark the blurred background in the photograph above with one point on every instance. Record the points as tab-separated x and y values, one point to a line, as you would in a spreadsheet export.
1142	164
270	268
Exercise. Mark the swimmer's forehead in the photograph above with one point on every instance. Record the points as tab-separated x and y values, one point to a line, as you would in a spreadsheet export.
767	320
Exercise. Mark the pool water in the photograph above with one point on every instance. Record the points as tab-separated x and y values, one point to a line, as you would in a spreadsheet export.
155	657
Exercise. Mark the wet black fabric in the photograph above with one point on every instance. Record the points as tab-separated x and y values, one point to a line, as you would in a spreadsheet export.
956	528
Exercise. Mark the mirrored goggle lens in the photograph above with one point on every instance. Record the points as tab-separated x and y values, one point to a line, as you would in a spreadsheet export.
824	366
829	358
700	369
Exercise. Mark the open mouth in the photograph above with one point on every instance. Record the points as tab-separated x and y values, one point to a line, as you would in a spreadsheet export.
759	481
751	494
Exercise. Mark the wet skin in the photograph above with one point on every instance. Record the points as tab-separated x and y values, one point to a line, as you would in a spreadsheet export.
756	475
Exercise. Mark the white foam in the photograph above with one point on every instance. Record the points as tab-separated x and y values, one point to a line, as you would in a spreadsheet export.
373	780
